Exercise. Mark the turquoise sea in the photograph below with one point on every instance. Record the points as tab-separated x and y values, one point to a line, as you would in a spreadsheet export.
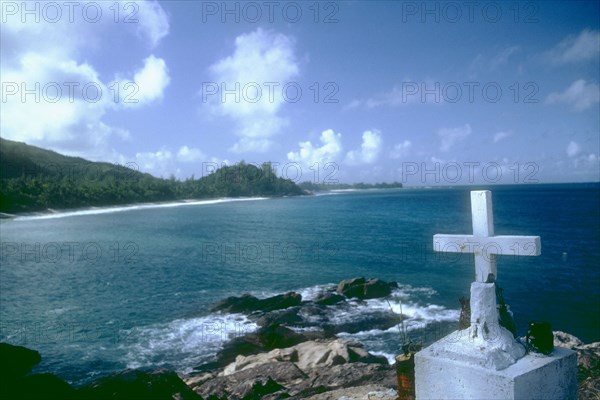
100	290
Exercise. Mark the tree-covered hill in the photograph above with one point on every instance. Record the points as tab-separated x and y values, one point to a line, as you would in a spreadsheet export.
34	179
315	187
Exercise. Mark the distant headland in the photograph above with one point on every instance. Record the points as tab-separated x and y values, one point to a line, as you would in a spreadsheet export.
40	180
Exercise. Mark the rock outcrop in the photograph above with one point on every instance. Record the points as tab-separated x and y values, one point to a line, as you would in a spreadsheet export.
361	288
306	369
264	339
248	303
138	384
17	381
588	364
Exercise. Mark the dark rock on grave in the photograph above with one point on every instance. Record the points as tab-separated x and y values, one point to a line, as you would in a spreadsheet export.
464	321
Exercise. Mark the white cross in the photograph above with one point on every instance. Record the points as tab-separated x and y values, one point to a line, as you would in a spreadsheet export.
483	243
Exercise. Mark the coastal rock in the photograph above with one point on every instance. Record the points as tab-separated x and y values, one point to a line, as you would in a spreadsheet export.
588	364
588	359
588	389
248	303
326	353
308	356
346	376
240	382
306	369
245	362
353	287
289	316
280	302
277	337
17	361
137	384
365	289
256	388
328	299
367	392
244	303
16	382
375	320
265	339
46	387
563	339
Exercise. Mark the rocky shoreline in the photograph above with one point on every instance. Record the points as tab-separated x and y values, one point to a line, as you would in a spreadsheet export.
273	362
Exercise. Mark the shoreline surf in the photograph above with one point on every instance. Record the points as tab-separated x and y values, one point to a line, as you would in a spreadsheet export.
51	213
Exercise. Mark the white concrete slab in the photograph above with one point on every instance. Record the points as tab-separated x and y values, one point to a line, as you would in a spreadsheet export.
441	374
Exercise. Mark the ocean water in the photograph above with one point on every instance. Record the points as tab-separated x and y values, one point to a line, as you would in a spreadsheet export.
101	290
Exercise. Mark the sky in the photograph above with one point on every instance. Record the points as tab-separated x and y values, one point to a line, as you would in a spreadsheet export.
422	93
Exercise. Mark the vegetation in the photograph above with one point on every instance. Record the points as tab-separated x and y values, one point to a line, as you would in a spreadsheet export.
314	187
34	179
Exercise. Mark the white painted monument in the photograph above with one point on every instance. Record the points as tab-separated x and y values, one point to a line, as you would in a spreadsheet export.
485	361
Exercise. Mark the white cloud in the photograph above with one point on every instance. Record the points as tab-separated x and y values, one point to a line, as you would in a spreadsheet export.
573	149
262	63
580	95
309	154
502	57
153	22
150	83
584	47
407	92
156	163
498	136
51	58
164	162
353	104
369	149
401	149
187	154
450	136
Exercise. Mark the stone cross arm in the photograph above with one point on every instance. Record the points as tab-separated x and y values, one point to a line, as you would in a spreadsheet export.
499	245
483	243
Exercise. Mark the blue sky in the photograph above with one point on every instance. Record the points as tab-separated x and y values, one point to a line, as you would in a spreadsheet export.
424	93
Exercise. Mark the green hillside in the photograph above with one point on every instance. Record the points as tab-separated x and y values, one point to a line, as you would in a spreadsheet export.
35	179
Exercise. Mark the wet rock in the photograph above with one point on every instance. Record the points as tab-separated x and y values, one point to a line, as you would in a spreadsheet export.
328	299
353	287
248	303
365	289
288	316
375	320
244	303
280	302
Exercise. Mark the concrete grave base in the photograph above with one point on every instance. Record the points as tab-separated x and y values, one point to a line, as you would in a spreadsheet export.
440	374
